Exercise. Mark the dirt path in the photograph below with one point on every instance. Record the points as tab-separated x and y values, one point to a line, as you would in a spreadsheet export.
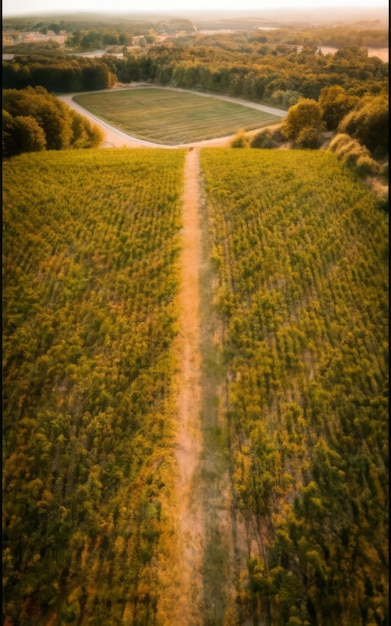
189	441
204	508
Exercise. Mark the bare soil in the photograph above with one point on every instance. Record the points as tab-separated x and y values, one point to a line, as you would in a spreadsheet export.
205	520
189	438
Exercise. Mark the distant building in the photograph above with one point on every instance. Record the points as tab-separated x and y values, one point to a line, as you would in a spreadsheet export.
96	54
139	41
12	38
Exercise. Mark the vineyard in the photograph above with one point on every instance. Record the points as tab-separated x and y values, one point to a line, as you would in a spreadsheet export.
301	252
90	277
172	117
293	333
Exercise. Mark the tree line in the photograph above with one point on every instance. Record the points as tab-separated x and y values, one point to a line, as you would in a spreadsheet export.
362	119
34	120
275	73
359	126
57	73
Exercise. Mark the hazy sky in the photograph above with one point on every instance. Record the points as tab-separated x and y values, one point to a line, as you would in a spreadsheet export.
21	7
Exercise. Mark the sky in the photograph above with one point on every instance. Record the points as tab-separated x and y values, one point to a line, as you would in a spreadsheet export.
30	7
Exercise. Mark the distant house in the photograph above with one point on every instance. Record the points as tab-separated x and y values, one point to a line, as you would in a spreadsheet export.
139	41
11	37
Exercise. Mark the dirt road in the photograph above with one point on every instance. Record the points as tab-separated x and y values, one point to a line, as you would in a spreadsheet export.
189	439
204	507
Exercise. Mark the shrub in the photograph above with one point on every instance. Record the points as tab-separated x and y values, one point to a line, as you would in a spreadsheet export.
308	137
240	140
356	156
366	166
263	139
302	117
369	124
384	171
339	142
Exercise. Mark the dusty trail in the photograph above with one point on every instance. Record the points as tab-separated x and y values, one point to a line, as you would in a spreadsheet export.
204	510
189	441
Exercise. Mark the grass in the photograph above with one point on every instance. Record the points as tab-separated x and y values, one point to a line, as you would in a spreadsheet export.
172	117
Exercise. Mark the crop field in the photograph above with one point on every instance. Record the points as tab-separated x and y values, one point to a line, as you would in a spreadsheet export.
296	249
90	280
172	118
300	248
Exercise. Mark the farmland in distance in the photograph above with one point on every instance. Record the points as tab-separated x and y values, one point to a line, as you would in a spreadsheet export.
172	117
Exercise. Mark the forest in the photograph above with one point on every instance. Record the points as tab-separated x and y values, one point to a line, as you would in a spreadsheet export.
276	66
56	73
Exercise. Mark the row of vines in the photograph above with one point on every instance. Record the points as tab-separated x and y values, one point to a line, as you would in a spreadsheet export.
90	279
300	250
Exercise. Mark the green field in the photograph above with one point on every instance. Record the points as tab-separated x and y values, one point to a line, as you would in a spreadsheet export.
301	252
172	117
90	279
91	283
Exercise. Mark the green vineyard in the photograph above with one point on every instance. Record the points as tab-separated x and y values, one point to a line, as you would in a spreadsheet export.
298	250
301	253
90	275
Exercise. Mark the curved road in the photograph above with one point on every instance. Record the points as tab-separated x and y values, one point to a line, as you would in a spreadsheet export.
114	138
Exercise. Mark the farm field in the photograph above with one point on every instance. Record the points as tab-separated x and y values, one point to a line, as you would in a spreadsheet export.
90	284
284	322
172	117
301	252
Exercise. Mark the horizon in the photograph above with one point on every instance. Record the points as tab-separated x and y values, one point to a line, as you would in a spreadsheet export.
28	8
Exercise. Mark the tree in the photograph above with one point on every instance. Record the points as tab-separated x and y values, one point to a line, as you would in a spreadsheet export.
21	134
369	124
34	120
7	129
356	156
335	103
85	135
97	77
304	123
49	112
